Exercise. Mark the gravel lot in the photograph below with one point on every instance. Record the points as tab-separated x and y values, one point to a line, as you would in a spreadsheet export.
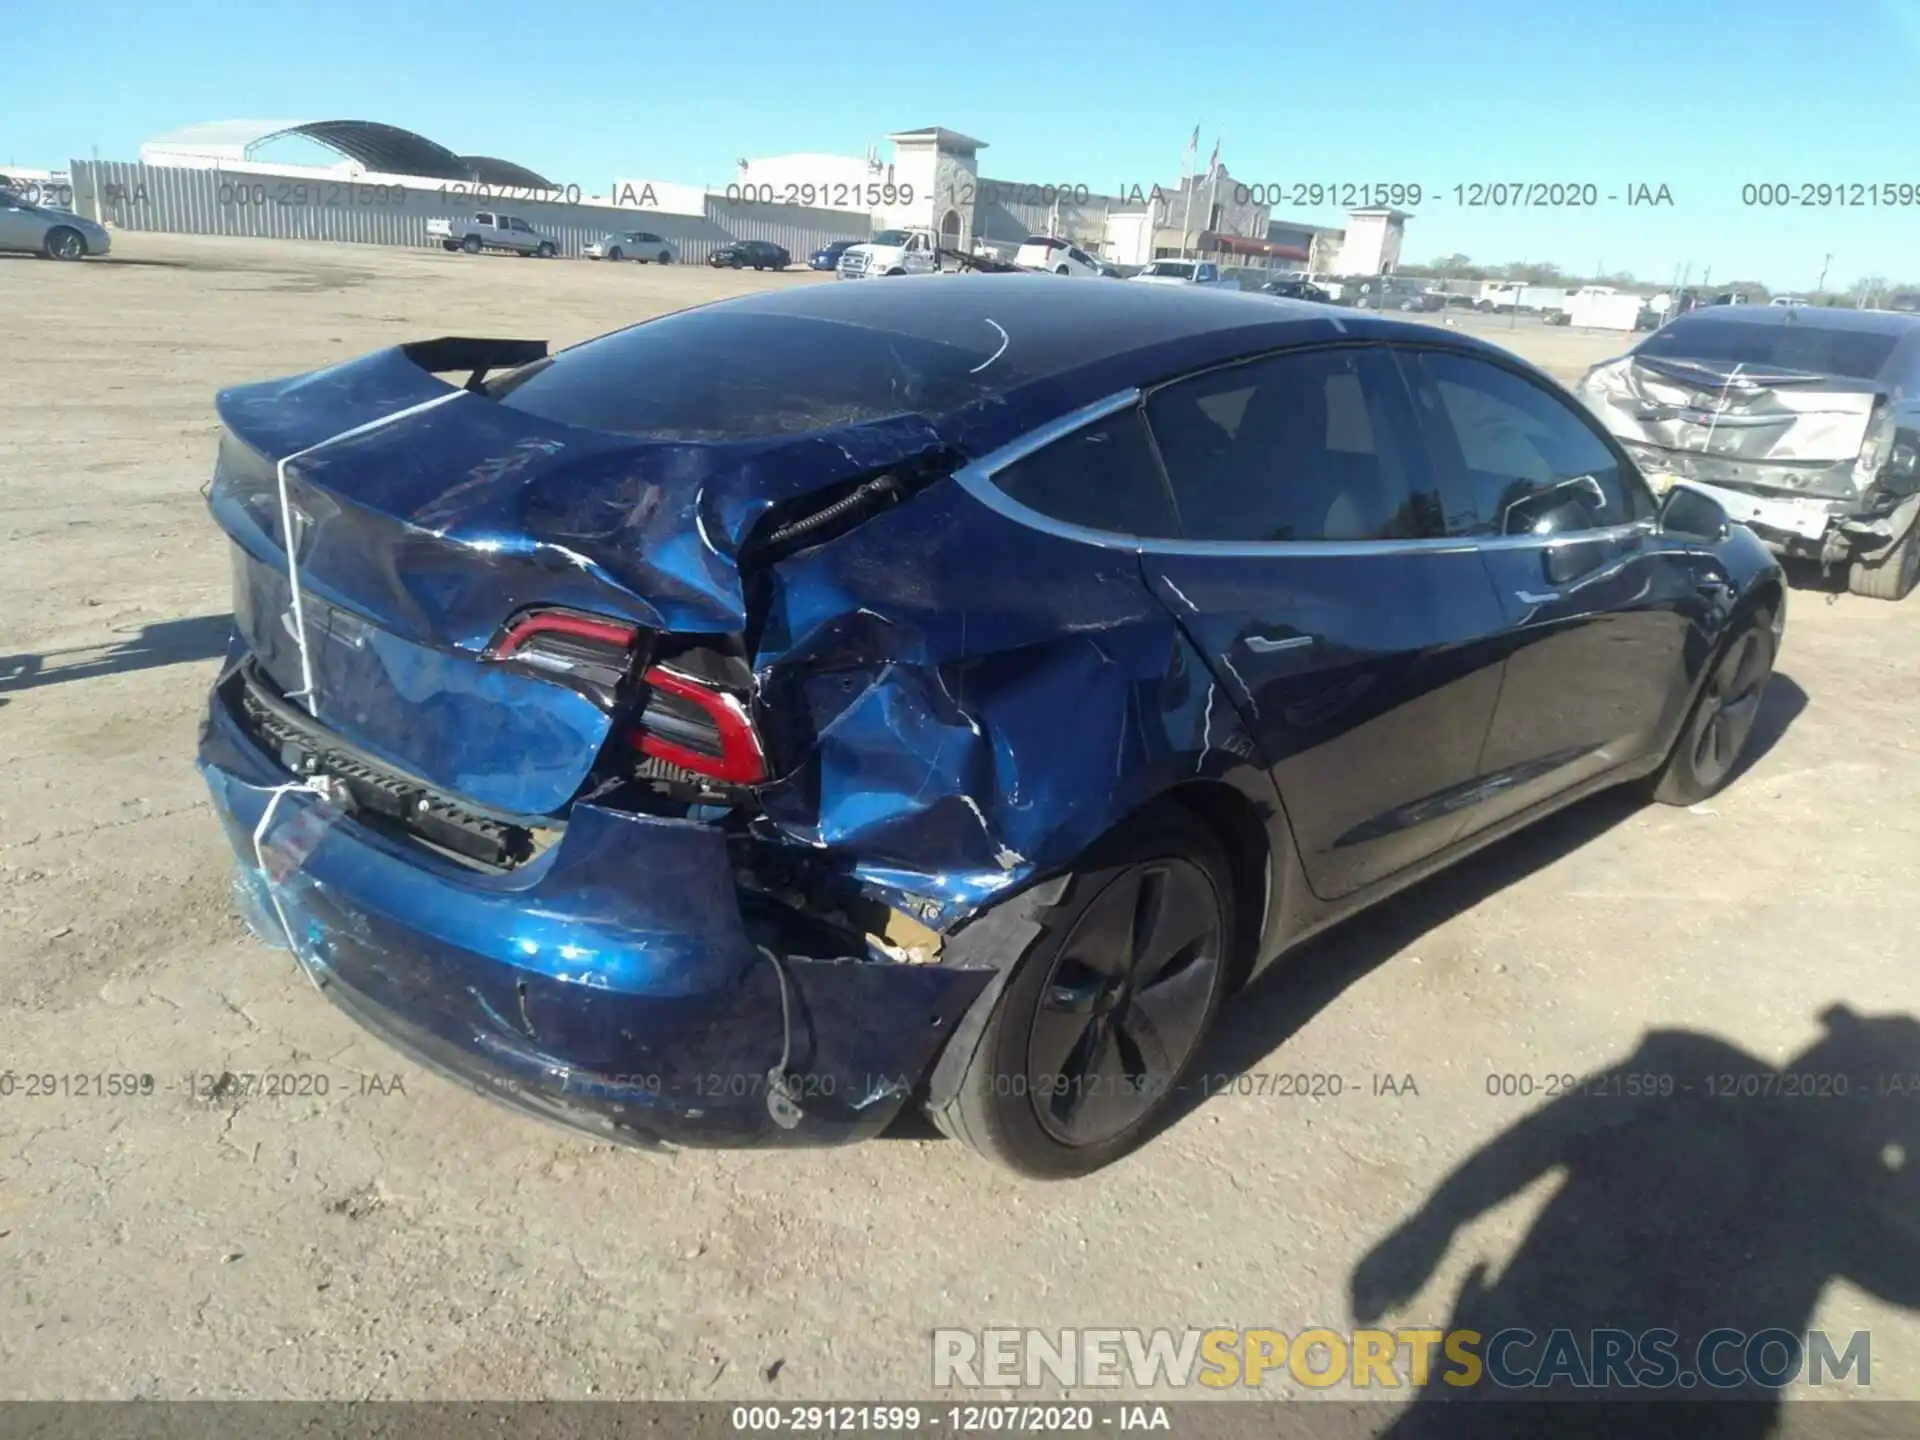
399	1238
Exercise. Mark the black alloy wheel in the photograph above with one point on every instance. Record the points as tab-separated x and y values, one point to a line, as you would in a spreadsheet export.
1722	721
1125	1002
65	243
1107	1005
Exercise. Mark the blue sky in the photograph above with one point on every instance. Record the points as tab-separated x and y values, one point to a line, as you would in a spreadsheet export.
1702	98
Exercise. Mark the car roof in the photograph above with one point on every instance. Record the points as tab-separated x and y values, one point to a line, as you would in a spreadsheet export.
1069	343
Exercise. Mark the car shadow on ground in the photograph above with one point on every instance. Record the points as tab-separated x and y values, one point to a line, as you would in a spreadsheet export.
1286	997
107	259
1707	1198
1283	999
166	642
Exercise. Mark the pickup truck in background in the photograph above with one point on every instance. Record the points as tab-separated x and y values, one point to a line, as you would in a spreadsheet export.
1185	272
490	230
909	251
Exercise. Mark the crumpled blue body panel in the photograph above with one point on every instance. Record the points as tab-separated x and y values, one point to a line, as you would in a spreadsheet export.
615	984
976	701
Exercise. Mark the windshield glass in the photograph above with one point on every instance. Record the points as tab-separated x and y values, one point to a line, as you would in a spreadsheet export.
890	237
1178	269
1807	346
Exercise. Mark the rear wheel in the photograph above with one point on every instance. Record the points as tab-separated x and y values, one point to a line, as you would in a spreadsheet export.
665	257
1710	745
1103	1015
65	243
1890	576
471	244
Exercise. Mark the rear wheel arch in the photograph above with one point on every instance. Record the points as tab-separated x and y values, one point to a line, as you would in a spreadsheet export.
1236	823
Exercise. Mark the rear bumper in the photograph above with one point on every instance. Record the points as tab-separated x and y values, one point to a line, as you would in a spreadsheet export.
613	984
1814	529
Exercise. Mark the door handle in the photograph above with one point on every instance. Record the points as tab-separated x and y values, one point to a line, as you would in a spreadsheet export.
1529	597
1269	645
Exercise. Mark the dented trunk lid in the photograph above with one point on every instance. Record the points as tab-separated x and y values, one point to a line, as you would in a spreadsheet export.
1751	426
423	516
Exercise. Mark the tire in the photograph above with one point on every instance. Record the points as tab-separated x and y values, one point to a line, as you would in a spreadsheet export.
1060	270
1892	575
1072	1072
63	242
665	257
450	245
738	263
471	244
1722	718
545	250
617	254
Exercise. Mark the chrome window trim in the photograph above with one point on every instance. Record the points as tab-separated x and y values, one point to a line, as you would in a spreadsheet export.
976	478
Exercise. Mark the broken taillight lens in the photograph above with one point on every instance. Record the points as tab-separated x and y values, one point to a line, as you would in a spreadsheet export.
586	652
695	726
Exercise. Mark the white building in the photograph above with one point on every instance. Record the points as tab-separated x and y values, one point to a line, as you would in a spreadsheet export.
1372	244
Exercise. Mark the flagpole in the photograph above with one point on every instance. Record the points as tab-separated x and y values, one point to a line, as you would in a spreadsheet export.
1213	181
1186	217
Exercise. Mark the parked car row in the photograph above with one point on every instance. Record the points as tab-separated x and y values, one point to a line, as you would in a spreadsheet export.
487	230
1365	292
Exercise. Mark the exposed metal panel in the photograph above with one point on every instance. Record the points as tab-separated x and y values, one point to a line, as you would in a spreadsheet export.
173	200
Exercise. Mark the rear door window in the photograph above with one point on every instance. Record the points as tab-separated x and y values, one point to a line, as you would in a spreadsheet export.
1516	458
483	218
1311	445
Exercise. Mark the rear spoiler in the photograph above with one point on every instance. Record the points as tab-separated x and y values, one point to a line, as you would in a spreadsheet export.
481	357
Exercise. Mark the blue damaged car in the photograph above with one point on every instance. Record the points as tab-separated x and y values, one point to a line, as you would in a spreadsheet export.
745	726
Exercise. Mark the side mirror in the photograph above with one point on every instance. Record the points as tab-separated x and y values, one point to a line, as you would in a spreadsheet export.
1569	505
1686	511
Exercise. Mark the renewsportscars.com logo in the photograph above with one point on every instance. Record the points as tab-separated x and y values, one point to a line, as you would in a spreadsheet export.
1320	1358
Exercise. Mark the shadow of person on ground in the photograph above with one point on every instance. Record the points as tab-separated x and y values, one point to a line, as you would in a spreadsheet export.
1703	1190
168	642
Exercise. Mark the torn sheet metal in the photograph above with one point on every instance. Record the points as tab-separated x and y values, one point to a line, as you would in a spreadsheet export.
1724	411
956	728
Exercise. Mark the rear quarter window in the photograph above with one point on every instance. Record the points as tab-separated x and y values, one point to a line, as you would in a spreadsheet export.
1101	477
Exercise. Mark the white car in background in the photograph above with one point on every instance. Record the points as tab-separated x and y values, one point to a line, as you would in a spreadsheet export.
642	245
1184	272
1055	256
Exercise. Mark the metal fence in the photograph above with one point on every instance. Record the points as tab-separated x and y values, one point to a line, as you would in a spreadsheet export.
293	207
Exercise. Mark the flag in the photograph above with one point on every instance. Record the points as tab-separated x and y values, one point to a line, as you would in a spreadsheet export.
1193	150
1213	164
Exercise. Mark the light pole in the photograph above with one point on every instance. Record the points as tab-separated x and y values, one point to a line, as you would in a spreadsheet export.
1821	288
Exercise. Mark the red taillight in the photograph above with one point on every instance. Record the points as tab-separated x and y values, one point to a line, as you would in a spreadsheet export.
698	728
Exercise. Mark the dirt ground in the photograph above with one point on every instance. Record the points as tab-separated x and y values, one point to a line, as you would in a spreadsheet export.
399	1238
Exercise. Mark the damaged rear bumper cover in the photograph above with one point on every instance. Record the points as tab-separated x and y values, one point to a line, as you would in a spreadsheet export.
612	984
1813	528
